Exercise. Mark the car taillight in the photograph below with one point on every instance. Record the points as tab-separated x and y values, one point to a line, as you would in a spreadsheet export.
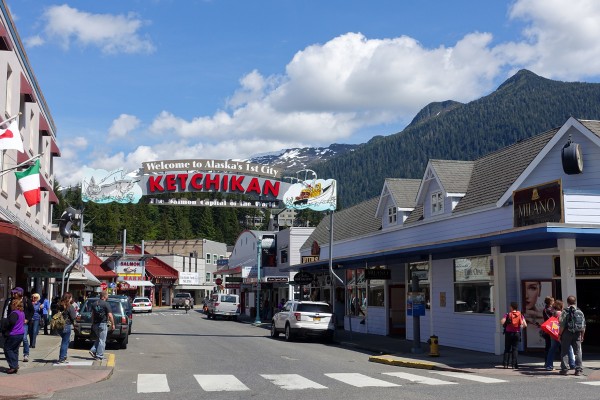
78	318
298	316
135	305
123	319
217	304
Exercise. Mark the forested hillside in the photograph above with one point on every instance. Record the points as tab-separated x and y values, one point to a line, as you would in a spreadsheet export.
523	106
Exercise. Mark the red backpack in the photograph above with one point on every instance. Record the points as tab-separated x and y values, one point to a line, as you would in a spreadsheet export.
514	319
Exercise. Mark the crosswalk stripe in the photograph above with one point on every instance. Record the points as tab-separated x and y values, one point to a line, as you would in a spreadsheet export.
220	383
419	379
469	377
293	382
360	380
594	383
152	383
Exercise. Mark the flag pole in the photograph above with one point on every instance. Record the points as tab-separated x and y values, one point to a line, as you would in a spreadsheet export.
5	171
10	119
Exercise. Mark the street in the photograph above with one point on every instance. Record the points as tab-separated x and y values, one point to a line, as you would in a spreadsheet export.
176	355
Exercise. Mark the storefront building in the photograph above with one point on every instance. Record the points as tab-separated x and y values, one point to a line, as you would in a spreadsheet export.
515	225
25	231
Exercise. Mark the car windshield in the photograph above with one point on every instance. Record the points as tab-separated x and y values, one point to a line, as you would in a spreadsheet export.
228	299
318	308
182	295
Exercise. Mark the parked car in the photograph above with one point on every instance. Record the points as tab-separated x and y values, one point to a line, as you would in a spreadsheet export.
303	318
179	300
128	308
140	304
225	305
83	323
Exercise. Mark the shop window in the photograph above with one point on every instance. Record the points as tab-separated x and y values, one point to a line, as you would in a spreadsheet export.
437	203
376	296
421	271
473	285
356	292
392	215
284	256
208	277
215	258
208	258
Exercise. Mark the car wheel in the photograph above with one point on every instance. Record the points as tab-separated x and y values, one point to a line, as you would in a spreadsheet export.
150	311
173	307
274	332
288	333
123	342
234	318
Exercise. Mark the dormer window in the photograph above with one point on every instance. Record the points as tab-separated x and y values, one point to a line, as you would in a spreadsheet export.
392	215
437	203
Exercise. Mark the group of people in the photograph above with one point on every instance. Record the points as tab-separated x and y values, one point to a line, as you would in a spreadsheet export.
571	333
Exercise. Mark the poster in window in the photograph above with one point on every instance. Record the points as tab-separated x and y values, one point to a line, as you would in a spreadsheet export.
534	293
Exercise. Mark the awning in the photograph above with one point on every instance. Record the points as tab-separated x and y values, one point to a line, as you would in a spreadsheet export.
27	90
139	283
83	278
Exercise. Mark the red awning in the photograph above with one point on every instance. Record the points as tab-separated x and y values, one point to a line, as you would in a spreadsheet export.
155	270
54	150
27	90
5	37
44	126
45	186
19	246
95	267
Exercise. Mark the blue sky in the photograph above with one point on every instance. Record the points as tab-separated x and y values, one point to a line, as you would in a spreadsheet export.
129	81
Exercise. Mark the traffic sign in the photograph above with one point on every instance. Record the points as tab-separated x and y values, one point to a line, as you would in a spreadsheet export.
103	286
218	281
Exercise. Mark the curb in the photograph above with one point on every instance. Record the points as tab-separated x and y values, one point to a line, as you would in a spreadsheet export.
412	363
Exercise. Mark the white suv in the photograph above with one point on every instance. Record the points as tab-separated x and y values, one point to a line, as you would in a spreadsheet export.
303	318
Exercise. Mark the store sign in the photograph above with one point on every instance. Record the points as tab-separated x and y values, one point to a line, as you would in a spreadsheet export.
473	269
303	278
309	259
277	279
44	272
538	204
235	279
233	285
378	273
134	268
189	278
587	265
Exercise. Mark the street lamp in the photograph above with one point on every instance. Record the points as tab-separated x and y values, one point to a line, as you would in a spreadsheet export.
259	251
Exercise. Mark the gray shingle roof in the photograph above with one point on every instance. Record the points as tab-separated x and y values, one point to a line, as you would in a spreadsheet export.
454	175
593	126
351	222
494	173
404	191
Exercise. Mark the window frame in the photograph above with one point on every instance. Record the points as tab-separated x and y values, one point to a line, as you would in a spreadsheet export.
392	214
473	276
437	203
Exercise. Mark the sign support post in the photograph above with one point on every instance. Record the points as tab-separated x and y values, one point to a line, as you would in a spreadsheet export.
259	253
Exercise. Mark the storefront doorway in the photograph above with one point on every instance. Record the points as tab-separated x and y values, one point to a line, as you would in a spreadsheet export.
397	296
589	302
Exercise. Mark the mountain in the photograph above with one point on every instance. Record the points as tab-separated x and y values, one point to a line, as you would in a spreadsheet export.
296	159
523	106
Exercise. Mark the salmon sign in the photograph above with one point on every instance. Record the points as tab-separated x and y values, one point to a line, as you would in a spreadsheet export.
228	177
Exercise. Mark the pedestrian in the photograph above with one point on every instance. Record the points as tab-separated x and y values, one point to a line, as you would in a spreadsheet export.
186	304
571	333
14	331
512	321
281	304
555	344
45	312
65	307
54	305
547	312
28	310
34	325
101	315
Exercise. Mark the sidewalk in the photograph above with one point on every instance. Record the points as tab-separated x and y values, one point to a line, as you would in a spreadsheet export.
41	376
399	352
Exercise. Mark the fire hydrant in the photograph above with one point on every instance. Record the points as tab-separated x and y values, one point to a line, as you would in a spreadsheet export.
433	346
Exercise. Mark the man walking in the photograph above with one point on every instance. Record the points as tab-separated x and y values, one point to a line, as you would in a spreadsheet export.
101	314
45	311
571	333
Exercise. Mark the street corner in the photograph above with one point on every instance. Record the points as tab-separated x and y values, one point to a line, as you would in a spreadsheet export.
403	362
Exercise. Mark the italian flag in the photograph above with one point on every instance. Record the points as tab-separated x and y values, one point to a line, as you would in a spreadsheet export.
29	181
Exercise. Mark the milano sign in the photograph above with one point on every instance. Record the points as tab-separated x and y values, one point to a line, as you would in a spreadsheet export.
226	177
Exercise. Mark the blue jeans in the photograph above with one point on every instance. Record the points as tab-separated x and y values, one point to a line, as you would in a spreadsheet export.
35	329
101	330
555	345
26	340
11	350
65	337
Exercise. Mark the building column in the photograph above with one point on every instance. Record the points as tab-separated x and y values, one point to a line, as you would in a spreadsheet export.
566	249
499	293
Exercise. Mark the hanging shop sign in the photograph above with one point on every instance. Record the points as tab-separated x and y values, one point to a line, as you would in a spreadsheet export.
234	279
279	279
378	273
303	278
538	204
130	268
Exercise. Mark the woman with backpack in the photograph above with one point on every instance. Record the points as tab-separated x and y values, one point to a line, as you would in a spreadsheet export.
65	307
555	344
512	322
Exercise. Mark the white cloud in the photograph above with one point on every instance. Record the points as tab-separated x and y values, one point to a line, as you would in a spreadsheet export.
122	126
111	33
34	41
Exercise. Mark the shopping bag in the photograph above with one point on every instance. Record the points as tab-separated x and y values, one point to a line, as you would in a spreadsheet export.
551	327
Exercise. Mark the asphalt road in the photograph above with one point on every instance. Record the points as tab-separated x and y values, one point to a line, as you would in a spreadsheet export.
173	355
